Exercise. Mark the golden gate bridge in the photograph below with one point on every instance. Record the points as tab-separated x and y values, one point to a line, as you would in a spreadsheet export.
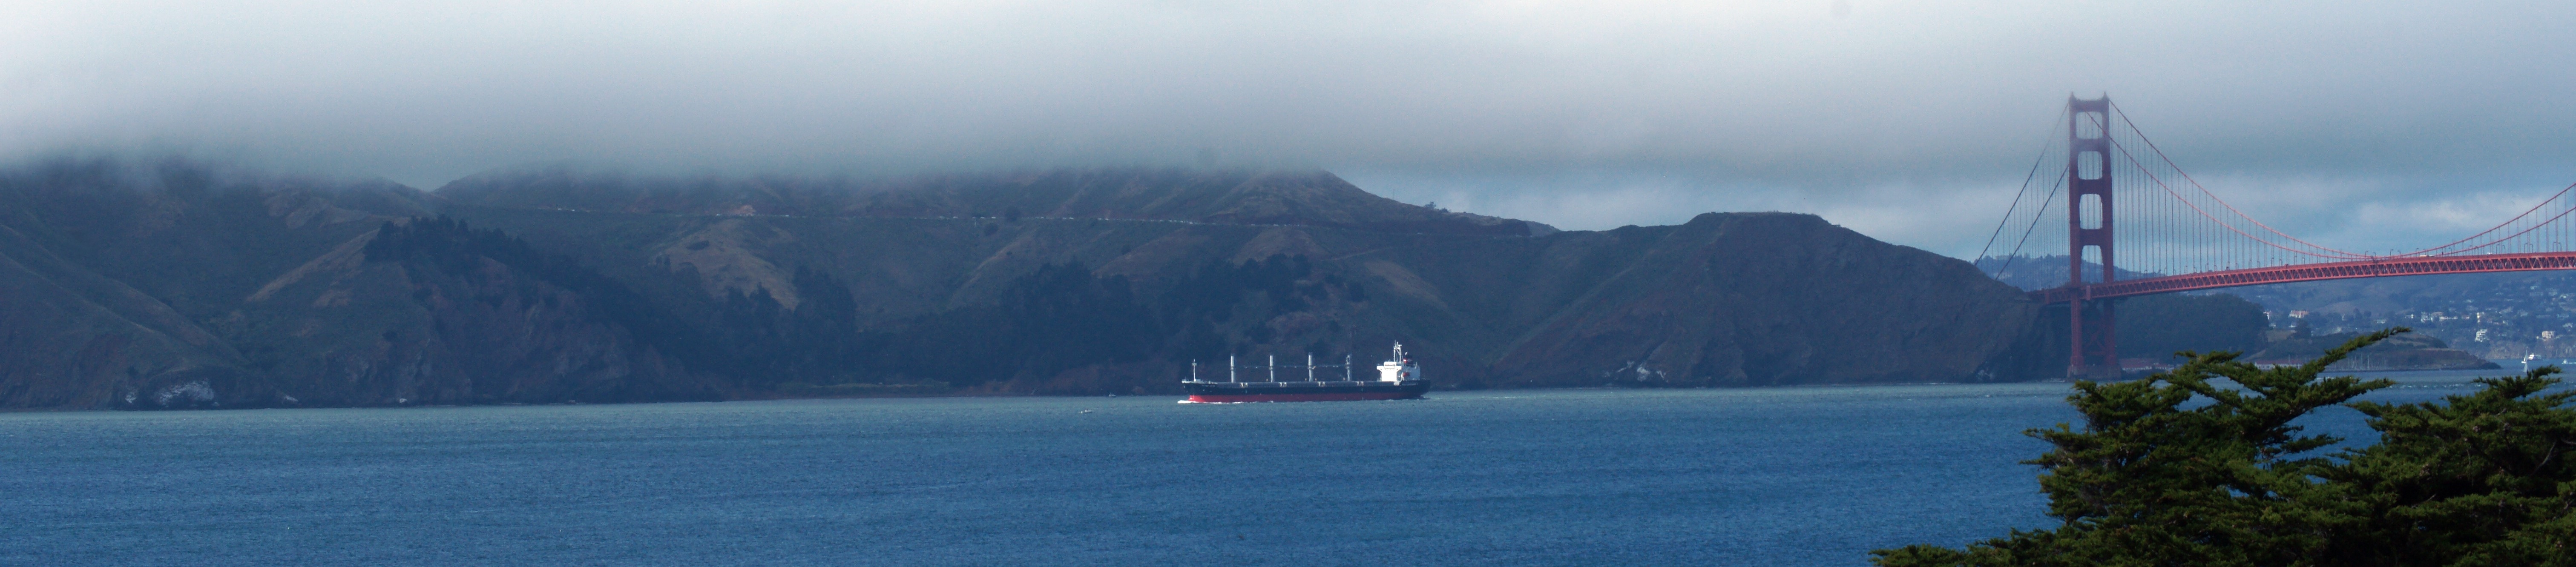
2116	179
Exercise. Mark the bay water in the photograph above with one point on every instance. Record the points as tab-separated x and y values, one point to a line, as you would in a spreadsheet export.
1764	476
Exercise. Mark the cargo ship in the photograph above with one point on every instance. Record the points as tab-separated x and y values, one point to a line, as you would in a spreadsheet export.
1397	379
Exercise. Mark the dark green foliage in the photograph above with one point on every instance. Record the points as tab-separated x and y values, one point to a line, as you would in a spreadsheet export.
1200	340
829	309
2157	326
818	342
1059	318
448	245
2178	469
1213	290
2482	479
1205	301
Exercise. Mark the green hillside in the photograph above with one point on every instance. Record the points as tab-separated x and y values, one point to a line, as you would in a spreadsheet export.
184	285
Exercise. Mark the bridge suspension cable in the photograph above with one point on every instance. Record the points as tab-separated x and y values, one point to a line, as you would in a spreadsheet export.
2170	223
2171	233
2044	151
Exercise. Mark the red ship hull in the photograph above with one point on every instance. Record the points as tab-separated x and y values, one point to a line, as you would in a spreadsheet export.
1235	393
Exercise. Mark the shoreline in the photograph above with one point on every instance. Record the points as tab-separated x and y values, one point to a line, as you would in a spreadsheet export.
991	394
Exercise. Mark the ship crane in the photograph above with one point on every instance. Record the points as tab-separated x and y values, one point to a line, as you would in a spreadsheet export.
1398	378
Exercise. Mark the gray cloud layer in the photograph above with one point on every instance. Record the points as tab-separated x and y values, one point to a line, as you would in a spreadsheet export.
1909	121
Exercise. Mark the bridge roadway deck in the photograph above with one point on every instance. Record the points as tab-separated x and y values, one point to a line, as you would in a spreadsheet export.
2385	267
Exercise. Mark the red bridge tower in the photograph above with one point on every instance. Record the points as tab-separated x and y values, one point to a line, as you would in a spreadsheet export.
2088	237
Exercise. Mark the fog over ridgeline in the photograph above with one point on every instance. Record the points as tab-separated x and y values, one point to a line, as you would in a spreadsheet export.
1903	121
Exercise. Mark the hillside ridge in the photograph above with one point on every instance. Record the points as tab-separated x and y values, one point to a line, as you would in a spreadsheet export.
517	287
1213	196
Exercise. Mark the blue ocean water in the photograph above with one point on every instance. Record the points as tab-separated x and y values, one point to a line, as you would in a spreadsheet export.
1771	476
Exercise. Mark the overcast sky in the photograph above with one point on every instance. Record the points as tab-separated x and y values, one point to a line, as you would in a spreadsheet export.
1909	121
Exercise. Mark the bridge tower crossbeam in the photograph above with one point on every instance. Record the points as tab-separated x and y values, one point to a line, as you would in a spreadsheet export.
2092	352
2197	241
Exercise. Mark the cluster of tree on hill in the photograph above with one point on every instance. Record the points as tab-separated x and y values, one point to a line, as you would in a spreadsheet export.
766	343
449	245
2184	469
1059	318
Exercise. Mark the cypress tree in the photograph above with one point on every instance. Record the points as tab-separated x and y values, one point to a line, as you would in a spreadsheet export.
2181	469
